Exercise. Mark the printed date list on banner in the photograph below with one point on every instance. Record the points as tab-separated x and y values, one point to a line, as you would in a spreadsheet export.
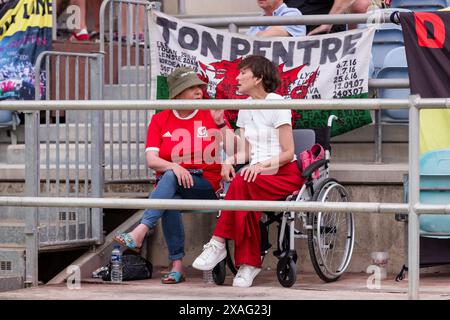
334	66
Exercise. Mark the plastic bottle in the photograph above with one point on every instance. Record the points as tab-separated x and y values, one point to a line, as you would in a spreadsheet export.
116	265
208	277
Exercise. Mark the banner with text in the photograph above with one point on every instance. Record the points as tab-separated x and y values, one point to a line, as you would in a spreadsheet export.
25	31
317	67
427	42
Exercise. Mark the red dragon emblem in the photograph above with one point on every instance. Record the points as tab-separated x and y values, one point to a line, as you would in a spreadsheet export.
226	72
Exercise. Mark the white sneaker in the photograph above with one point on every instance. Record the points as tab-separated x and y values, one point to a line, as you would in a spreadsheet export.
245	276
213	253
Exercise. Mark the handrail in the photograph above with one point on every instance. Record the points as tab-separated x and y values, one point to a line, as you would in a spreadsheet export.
171	204
278	206
399	83
322	104
378	17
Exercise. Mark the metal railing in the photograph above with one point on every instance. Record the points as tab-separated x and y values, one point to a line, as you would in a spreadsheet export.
413	208
125	41
65	150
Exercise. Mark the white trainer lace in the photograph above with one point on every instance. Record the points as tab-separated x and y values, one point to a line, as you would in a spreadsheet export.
212	254
245	276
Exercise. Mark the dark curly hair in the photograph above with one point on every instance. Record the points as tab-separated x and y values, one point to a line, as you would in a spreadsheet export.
264	69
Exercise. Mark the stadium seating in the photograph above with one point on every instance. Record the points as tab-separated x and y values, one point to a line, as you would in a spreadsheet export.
434	189
6	118
9	120
394	67
387	37
420	5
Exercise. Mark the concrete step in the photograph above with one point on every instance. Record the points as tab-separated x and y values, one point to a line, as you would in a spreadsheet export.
16	153
128	132
111	116
16	172
365	152
12	261
6	138
341	152
12	232
390	133
367	172
14	213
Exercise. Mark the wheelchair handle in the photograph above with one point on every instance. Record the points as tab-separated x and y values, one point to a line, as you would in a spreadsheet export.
334	118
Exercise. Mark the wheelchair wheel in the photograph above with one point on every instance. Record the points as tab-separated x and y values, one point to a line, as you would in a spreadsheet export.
286	272
219	272
332	236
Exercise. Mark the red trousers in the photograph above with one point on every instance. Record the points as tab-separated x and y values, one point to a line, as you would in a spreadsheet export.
243	226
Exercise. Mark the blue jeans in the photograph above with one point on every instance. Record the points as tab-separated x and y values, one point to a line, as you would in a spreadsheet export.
172	222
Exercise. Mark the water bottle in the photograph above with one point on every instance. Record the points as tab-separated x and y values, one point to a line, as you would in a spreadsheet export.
116	265
208	277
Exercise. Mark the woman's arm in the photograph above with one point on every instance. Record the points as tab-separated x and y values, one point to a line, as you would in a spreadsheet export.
241	149
160	165
286	139
270	166
230	141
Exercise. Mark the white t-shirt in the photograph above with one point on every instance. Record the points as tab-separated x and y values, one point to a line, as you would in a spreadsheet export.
261	129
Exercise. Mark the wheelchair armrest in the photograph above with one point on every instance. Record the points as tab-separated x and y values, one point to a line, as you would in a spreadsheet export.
313	167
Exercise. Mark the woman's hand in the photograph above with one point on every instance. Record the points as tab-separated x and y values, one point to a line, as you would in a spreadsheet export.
322	29
218	116
227	172
184	177
251	172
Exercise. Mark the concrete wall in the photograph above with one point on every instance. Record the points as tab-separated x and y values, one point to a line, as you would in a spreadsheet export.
373	233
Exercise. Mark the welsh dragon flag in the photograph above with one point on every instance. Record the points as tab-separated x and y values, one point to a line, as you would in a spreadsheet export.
317	67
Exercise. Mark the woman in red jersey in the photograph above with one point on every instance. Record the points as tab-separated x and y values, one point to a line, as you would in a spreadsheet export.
182	148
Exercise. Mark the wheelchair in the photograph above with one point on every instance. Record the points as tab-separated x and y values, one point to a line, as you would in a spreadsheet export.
330	235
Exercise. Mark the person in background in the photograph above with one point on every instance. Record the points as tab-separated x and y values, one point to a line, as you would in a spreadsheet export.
277	8
266	140
316	7
86	8
181	146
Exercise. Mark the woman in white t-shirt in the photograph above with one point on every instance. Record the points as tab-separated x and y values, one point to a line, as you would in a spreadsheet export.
267	143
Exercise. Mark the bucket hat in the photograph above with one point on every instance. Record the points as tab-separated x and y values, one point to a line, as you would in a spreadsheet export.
181	79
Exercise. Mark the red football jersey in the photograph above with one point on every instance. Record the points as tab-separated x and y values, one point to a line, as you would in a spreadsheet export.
188	141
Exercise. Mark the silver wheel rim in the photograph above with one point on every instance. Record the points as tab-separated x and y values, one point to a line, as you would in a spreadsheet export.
332	242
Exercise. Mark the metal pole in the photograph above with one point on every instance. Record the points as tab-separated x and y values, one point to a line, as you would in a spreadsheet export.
184	204
233	28
296	104
413	217
182	7
98	144
245	21
31	190
54	21
378	137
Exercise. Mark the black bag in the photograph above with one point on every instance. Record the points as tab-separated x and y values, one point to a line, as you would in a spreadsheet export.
135	267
